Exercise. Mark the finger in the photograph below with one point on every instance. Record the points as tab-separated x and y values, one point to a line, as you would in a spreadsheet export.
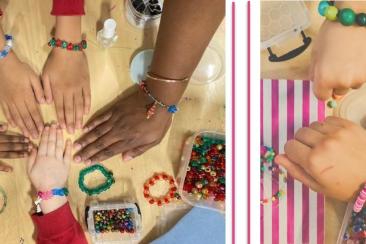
35	112
92	136
338	93
59	144
10	155
324	128
322	92
37	89
13	138
59	104
338	121
297	172
3	127
97	121
87	99
108	152
18	120
13	147
309	136
79	110
51	144
31	159
5	167
8	115
357	86
42	149
137	151
297	152
69	113
28	121
68	152
47	88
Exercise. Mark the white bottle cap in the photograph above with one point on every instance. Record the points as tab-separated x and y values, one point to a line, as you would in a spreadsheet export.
109	29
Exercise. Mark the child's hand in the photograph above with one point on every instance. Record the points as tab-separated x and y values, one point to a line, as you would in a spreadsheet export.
20	90
328	157
66	81
49	167
338	59
12	146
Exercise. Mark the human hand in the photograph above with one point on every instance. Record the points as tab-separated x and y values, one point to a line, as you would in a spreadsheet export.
329	157
19	93
49	167
12	146
338	60
66	81
122	129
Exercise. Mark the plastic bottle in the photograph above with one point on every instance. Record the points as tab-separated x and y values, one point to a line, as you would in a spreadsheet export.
108	36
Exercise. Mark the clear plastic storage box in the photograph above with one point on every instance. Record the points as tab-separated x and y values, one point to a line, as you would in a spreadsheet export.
114	237
209	203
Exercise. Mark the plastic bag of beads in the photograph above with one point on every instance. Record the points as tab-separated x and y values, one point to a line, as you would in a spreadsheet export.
353	229
111	222
201	176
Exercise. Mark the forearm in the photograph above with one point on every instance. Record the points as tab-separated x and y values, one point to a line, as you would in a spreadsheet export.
52	204
186	29
68	28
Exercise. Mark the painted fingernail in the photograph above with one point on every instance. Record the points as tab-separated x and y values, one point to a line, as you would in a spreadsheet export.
77	159
127	158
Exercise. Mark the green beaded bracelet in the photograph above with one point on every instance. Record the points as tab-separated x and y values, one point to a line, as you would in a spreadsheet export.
98	189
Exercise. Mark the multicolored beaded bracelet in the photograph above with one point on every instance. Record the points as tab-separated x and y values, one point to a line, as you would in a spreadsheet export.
46	195
150	108
346	16
267	156
168	197
67	45
98	189
8	46
5	200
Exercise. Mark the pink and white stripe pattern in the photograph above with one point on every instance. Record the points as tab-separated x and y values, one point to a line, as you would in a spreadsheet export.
286	106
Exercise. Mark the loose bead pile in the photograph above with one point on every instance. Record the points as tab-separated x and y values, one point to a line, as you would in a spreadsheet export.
205	178
267	156
99	189
67	45
168	197
5	200
345	16
115	220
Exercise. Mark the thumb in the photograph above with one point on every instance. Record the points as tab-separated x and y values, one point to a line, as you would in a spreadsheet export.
31	160
321	92
38	91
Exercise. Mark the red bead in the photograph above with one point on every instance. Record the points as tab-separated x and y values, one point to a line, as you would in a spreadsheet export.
173	189
151	201
58	43
146	187
159	202
156	177
151	182
165	177
166	200
171	181
172	194
146	195
69	46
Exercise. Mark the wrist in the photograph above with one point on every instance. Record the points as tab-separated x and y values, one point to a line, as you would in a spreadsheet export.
68	28
52	204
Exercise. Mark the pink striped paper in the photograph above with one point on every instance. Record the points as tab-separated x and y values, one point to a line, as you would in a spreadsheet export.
298	217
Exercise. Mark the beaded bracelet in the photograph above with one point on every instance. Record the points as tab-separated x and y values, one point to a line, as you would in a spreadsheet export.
150	108
8	46
46	195
360	201
170	195
345	16
67	45
5	199
98	189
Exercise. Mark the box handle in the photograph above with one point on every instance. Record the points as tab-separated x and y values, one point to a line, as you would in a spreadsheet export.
292	54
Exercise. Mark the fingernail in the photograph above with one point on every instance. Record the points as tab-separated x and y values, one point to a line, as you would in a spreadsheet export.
88	162
337	97
127	158
42	100
77	159
77	146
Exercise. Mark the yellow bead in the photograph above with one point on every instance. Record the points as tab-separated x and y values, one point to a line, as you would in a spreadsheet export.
205	191
331	13
194	190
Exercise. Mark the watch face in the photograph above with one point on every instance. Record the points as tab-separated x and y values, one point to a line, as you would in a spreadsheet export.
150	7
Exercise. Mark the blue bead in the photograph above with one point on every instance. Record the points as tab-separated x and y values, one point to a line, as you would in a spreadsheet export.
172	109
323	5
357	228
8	37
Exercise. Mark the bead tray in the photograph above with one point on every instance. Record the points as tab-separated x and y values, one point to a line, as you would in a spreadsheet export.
185	160
114	237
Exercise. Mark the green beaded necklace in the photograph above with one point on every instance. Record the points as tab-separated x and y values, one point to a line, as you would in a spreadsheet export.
98	189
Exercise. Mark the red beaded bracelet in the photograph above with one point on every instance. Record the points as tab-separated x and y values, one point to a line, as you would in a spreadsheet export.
67	45
168	197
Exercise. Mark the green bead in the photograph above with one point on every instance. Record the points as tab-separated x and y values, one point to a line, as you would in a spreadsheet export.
361	19
331	13
332	104
347	17
76	48
52	42
222	180
63	44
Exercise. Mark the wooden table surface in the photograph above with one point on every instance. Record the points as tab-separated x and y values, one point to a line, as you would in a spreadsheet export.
297	68
203	107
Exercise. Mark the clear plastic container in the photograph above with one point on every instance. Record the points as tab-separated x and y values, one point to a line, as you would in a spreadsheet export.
186	156
114	237
138	13
345	225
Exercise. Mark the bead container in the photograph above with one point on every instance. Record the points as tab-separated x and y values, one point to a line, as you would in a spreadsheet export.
112	222
201	176
143	13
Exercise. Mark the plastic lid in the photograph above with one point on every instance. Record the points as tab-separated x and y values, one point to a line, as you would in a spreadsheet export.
109	29
140	65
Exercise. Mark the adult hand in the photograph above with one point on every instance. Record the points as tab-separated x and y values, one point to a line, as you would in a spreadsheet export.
12	146
338	60
329	157
20	90
122	129
66	81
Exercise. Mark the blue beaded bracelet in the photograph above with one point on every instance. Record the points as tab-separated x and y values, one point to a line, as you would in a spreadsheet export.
8	46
